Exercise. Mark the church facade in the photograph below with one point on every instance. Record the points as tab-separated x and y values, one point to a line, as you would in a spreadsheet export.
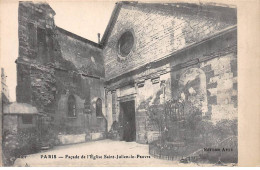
149	54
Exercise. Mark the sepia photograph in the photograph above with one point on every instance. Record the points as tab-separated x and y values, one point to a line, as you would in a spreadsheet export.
127	83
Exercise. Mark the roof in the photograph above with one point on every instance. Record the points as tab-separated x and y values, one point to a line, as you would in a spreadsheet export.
86	59
212	9
19	108
70	34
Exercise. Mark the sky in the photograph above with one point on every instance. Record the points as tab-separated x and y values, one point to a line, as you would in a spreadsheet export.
85	19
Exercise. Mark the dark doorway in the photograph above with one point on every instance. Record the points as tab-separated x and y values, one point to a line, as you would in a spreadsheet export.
127	112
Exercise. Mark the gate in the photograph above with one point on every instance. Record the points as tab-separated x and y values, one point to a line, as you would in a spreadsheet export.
174	110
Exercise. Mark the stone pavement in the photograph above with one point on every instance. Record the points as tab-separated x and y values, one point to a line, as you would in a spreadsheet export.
97	153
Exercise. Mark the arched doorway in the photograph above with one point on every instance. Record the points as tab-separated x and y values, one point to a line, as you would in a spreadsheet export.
192	89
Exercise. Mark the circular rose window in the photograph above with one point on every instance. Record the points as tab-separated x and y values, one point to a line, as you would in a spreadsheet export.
125	43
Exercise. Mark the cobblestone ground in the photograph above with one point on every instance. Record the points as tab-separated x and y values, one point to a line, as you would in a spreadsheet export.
98	150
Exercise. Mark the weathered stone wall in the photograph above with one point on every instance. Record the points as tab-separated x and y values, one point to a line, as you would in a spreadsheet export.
158	31
222	86
35	77
86	91
81	76
54	64
86	56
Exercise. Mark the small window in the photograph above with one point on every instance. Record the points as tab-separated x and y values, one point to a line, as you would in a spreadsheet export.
99	108
125	43
71	106
27	119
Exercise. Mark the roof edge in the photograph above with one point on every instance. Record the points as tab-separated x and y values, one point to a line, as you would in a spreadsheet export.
78	37
119	4
111	22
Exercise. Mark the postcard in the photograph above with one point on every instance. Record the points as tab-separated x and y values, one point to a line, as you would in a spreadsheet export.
127	83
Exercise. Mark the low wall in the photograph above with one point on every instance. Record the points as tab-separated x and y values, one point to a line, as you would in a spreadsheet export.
95	136
69	139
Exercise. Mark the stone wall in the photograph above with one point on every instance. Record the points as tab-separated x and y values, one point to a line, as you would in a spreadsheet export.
86	56
54	64
35	77
81	75
222	86
160	30
215	63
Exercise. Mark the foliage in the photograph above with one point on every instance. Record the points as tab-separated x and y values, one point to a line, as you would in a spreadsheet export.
156	117
26	141
162	116
181	137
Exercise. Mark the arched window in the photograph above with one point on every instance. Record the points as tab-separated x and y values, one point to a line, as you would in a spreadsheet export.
99	107
87	106
71	106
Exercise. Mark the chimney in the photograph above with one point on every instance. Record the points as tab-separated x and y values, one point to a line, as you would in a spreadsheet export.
2	72
98	38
